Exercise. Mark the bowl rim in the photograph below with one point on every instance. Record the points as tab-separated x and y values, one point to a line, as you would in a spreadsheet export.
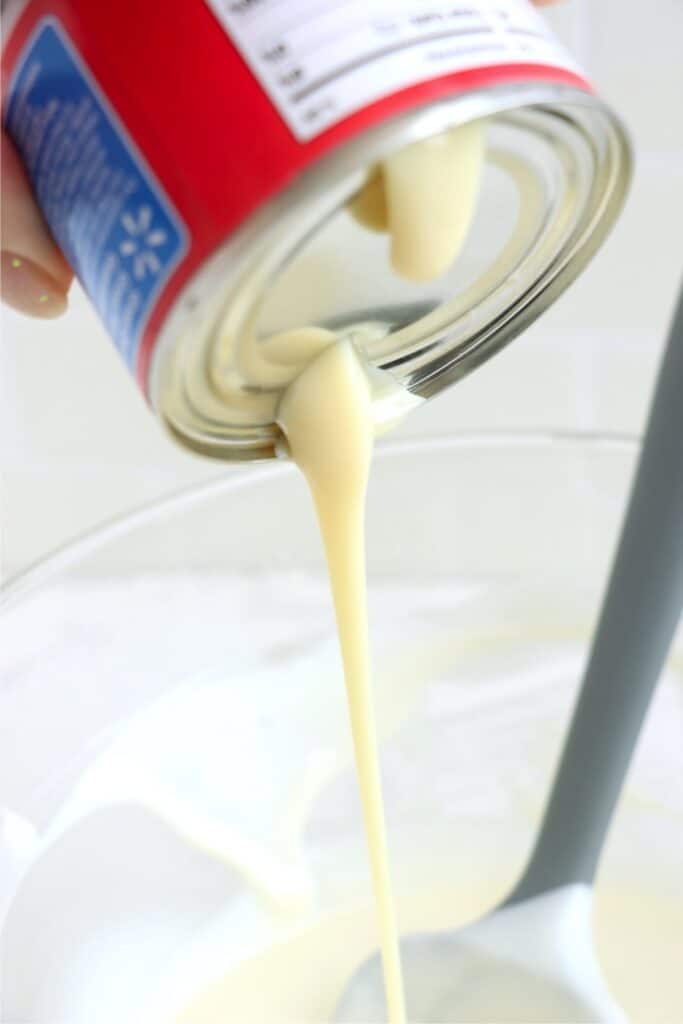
21	584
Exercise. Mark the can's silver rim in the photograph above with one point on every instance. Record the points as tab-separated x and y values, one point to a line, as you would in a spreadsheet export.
337	176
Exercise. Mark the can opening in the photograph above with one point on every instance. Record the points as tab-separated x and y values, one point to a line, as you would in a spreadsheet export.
322	285
554	177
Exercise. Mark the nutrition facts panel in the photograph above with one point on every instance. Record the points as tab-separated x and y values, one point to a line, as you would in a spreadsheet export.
321	60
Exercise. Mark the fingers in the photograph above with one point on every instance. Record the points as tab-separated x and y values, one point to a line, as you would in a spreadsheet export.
34	275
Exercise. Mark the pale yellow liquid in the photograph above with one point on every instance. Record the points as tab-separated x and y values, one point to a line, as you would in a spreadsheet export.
327	418
427	195
424	196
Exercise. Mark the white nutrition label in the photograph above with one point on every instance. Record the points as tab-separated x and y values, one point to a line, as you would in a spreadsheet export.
321	60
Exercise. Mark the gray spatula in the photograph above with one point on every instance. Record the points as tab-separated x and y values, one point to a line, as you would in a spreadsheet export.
532	959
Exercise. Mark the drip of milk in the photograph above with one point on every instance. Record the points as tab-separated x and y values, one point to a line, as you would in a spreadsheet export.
424	196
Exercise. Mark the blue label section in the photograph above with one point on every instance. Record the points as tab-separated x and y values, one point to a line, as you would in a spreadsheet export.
106	210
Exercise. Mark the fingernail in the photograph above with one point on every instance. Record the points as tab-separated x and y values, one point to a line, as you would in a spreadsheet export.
29	289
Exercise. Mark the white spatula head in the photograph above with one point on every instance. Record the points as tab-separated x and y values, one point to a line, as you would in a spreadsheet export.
530	963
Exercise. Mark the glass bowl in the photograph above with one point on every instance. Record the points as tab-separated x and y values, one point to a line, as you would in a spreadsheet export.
176	785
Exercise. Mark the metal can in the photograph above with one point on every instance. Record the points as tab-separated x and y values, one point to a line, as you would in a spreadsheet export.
195	161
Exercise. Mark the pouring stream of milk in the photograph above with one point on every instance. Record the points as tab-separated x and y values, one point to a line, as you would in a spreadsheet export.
326	414
327	417
424	198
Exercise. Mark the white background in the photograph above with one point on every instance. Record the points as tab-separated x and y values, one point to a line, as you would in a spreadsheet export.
77	444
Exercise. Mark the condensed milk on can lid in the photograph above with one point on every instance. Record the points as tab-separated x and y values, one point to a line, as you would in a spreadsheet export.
210	169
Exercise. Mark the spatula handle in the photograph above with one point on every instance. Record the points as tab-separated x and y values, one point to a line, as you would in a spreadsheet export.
636	627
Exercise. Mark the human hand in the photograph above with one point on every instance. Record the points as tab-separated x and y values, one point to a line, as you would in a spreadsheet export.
34	275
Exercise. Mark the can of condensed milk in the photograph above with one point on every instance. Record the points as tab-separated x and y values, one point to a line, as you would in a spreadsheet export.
209	168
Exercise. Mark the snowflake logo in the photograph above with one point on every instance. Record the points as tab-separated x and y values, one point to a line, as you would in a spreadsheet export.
141	243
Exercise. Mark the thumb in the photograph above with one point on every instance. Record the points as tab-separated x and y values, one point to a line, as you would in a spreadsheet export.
34	274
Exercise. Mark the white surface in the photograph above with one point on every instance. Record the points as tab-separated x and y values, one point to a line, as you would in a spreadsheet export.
77	444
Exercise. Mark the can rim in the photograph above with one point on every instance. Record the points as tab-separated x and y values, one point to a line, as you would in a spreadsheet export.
338	175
